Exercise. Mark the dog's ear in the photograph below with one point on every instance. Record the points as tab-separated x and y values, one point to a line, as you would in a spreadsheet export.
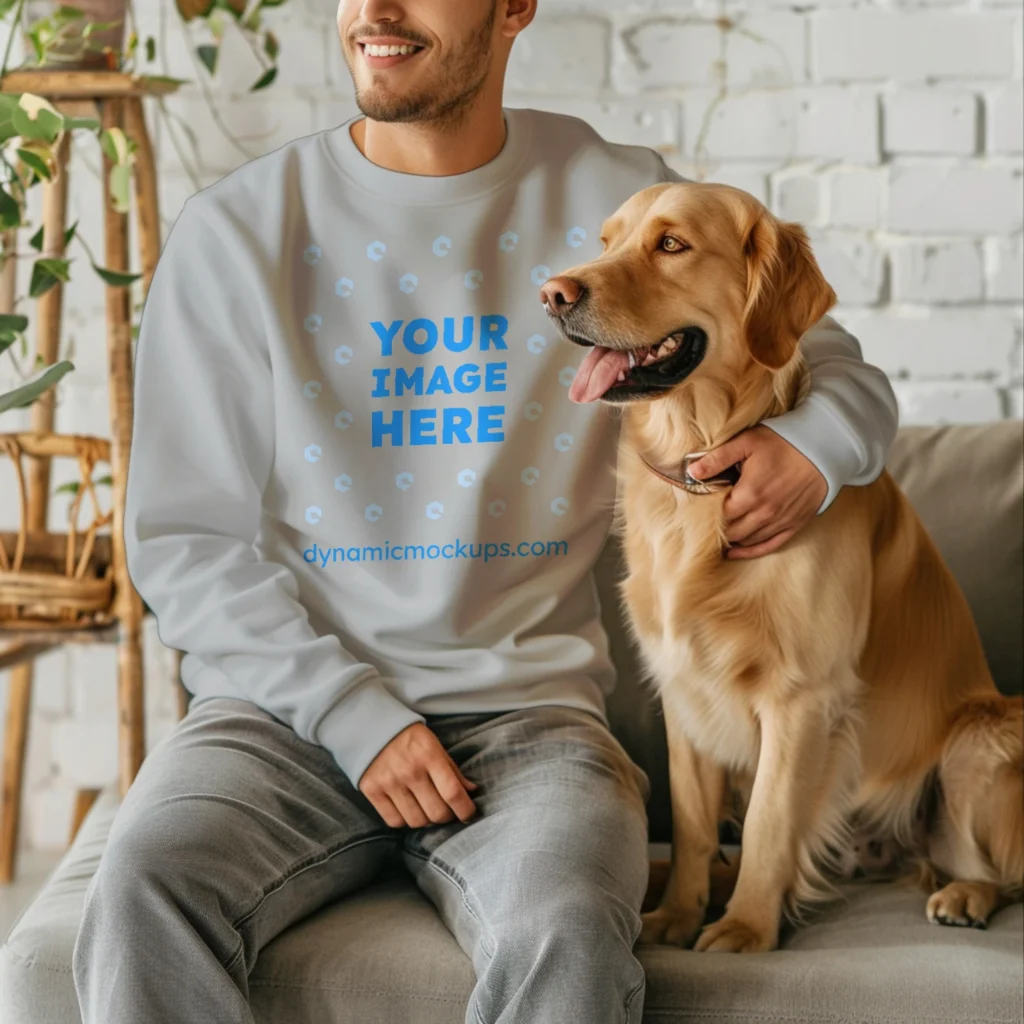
786	292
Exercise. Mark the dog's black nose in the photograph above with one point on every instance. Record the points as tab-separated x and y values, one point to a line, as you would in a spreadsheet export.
560	294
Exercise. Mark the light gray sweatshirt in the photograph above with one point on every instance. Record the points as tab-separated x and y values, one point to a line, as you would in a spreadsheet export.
358	493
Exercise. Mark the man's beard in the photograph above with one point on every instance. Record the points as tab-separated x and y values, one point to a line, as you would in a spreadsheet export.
445	102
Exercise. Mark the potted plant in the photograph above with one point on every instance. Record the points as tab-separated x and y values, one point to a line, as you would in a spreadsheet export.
92	33
81	36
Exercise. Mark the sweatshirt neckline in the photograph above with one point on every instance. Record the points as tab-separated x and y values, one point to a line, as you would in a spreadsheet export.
398	186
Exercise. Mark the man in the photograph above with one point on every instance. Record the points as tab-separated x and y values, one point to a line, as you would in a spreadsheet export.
363	505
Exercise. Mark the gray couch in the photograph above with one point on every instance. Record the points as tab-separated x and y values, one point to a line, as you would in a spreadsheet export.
383	956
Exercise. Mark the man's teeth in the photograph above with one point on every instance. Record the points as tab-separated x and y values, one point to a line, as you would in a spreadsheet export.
388	51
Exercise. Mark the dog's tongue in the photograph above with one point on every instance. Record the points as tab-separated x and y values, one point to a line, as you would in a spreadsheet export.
597	373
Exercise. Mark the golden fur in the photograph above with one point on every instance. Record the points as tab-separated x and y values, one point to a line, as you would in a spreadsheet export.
837	679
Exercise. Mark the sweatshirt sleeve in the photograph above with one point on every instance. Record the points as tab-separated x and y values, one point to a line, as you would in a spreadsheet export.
846	423
201	457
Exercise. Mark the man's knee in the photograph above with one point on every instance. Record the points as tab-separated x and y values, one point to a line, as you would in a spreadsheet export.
171	858
552	906
578	930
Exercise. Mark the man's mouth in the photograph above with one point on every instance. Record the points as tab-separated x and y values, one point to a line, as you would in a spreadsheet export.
619	375
388	52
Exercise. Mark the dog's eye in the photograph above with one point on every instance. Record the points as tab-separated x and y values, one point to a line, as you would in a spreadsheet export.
672	244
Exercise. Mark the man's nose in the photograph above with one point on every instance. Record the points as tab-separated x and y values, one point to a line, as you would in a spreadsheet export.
560	294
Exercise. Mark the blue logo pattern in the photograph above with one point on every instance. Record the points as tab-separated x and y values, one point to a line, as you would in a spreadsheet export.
536	344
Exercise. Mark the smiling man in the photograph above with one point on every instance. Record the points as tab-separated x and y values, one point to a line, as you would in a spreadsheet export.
363	503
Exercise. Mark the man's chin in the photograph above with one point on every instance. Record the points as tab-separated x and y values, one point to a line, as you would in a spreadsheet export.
379	105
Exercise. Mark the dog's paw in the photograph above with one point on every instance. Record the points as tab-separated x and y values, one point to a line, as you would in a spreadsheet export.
734	935
664	927
961	904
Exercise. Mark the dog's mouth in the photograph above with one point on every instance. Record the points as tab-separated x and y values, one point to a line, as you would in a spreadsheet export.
621	375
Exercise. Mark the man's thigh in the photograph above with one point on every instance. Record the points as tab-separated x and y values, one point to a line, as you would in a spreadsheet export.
561	811
237	811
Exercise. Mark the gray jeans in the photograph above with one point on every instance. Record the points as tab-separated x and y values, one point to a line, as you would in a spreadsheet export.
235	828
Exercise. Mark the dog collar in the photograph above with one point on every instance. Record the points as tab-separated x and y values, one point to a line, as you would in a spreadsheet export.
727	478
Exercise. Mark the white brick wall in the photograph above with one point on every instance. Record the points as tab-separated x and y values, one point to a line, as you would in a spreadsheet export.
892	128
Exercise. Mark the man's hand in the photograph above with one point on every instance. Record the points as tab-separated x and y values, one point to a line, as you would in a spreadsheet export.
779	491
414	782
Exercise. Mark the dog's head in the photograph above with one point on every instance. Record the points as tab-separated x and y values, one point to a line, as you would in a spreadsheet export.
693	279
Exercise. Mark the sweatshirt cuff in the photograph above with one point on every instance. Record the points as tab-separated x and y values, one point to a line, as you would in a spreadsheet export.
361	724
814	431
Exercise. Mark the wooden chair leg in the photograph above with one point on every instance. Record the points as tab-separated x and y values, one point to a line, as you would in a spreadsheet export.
84	799
130	705
131	719
19	704
183	694
147	206
147	216
19	699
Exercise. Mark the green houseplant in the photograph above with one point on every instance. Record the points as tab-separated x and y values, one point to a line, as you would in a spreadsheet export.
25	394
90	34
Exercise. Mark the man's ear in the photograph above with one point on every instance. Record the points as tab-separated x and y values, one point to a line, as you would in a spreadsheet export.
786	292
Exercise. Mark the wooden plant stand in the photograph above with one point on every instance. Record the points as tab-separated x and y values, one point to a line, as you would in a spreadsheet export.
115	100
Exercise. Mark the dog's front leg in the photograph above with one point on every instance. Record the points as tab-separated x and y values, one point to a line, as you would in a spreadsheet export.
697	787
791	774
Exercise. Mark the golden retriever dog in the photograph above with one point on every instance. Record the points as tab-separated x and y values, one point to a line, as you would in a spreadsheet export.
835	684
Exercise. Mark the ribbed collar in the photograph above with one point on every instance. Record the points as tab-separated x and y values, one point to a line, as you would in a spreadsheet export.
397	186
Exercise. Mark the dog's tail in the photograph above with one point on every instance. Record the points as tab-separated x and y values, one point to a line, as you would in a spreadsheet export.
983	780
1007	835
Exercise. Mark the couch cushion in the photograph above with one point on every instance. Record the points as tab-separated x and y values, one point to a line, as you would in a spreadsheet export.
383	955
966	482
